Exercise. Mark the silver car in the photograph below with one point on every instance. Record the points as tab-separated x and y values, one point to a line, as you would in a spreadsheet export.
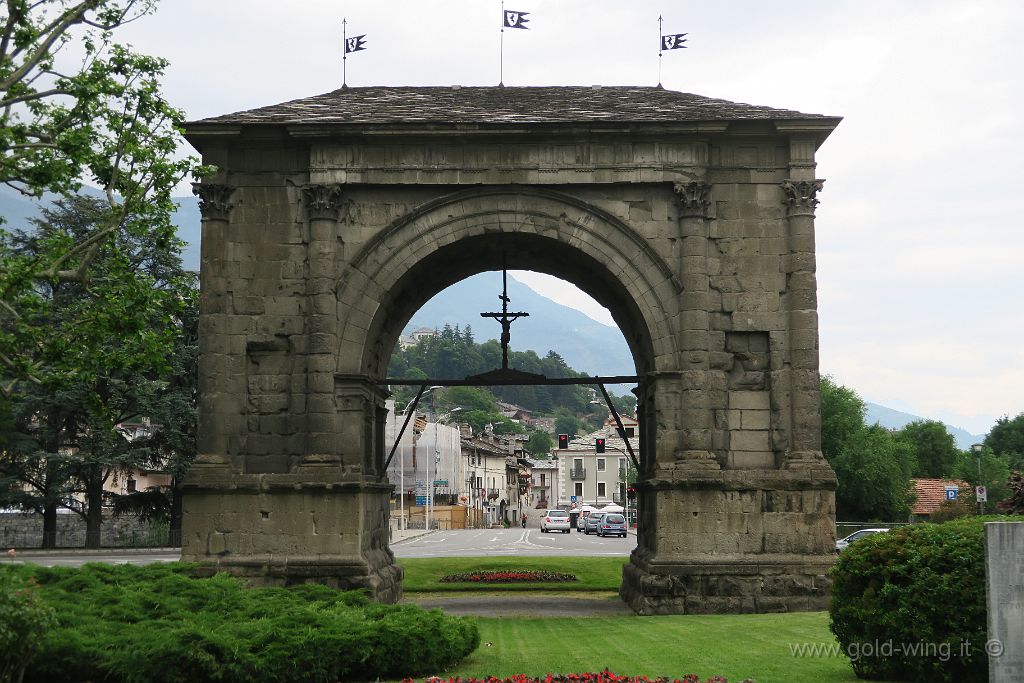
555	520
592	522
612	524
842	543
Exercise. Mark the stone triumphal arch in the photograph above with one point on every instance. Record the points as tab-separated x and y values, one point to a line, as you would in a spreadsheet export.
332	219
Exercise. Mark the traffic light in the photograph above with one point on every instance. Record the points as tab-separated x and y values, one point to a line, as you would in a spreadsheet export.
563	441
631	493
599	445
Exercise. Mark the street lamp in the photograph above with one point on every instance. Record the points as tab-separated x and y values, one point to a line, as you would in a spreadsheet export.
978	448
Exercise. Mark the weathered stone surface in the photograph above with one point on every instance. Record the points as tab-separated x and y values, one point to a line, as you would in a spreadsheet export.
333	219
1004	574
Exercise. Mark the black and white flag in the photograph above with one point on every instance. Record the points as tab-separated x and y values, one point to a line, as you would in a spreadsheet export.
515	19
355	44
673	42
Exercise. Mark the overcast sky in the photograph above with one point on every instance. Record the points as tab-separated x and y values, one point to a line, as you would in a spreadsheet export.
920	234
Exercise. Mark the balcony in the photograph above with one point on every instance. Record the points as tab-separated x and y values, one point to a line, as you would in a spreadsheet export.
492	494
578	473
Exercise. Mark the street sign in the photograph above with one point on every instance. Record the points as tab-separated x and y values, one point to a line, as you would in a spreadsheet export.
951	492
572	499
982	494
440	482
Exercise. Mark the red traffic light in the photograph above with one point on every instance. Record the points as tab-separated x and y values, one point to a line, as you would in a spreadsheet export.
563	441
631	493
599	445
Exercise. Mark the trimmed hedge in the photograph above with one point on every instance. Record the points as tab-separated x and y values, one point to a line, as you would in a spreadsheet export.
910	604
155	623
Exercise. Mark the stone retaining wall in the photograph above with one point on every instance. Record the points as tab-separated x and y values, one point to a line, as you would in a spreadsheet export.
25	530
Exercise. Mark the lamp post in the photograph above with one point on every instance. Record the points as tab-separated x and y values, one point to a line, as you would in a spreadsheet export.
978	448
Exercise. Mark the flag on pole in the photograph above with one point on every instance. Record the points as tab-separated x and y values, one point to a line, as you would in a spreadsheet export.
515	19
673	42
355	44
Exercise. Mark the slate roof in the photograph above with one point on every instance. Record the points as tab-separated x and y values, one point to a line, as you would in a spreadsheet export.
931	493
502	105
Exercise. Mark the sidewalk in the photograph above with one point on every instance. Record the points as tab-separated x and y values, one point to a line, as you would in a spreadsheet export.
402	535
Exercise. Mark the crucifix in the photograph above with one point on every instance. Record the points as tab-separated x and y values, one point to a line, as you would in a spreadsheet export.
505	318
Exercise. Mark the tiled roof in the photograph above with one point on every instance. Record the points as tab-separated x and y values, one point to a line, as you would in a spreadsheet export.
931	493
501	105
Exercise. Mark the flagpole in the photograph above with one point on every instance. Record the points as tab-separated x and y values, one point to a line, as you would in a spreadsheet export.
344	53
659	50
501	49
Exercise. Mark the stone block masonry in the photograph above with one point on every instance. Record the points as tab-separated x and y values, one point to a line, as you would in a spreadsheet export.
332	220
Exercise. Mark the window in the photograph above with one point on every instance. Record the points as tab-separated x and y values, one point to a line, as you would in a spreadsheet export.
542	483
131	485
600	464
600	489
479	482
577	463
579	489
626	433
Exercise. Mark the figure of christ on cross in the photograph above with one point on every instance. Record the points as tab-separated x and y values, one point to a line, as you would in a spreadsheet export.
505	318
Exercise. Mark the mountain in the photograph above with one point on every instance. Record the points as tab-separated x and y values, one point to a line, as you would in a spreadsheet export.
585	344
895	419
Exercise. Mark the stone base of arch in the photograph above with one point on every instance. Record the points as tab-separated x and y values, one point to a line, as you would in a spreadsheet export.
288	529
734	542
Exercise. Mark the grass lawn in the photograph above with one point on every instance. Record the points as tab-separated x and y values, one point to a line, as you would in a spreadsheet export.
738	647
594	573
735	646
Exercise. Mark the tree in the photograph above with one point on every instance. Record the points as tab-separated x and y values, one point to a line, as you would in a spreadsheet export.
842	417
934	448
1006	438
99	351
104	122
873	469
1014	503
995	471
539	444
872	465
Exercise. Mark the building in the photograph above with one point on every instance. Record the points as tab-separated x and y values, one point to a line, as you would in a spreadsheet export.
545	490
587	477
415	336
929	494
487	475
427	465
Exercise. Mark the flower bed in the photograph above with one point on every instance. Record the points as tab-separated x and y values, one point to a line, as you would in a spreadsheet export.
509	576
600	677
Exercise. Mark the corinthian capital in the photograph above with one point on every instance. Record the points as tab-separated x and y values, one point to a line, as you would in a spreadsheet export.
801	195
694	198
214	200
322	201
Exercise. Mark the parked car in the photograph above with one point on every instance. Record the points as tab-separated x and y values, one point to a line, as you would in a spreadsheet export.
842	543
581	521
592	522
555	520
612	524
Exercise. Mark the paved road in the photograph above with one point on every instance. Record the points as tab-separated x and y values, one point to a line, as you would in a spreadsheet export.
506	542
76	558
455	543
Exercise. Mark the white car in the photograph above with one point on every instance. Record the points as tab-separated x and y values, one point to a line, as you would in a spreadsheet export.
857	535
555	520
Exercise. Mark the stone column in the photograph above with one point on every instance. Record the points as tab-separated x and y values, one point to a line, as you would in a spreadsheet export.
217	421
696	413
323	204
801	291
1004	582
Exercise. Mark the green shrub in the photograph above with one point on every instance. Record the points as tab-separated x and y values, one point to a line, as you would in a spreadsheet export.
24	620
155	623
910	604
